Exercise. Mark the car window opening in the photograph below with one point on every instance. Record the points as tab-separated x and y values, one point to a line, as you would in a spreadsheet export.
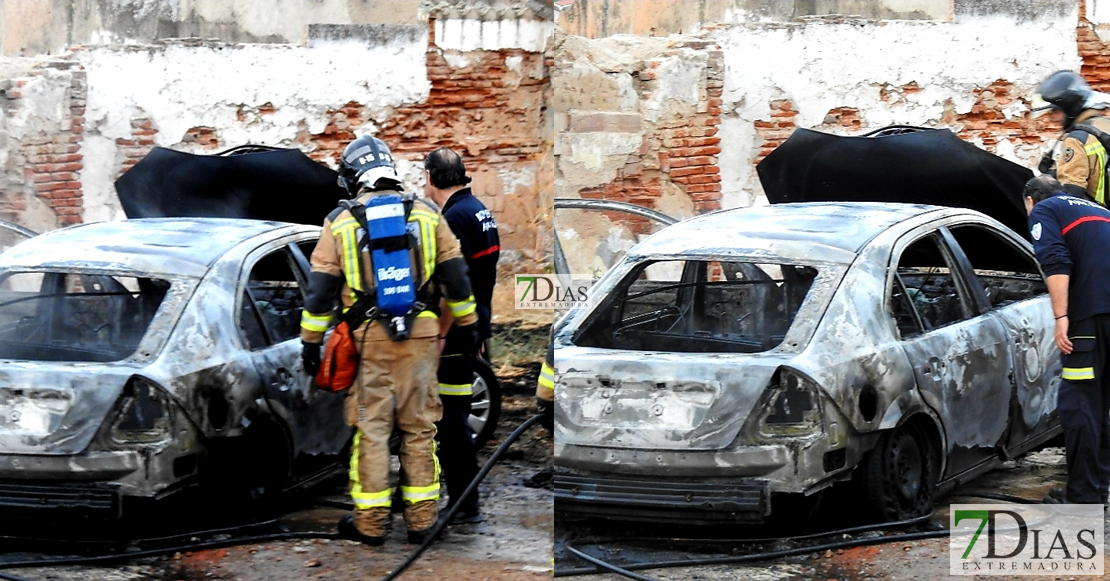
925	295
75	316
277	301
700	306
1007	274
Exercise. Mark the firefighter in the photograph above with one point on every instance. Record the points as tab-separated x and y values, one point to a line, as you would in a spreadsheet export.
1081	163
396	383
445	182
1070	236
545	389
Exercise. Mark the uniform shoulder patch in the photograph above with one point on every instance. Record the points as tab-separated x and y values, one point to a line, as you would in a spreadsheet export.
1036	231
1069	153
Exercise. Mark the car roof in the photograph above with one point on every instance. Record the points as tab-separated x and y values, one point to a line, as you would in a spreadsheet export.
820	231
165	246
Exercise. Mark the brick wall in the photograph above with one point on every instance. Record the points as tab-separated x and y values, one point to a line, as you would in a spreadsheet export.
679	150
43	164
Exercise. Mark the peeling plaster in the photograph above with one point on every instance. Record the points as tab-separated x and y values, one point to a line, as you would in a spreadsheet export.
180	87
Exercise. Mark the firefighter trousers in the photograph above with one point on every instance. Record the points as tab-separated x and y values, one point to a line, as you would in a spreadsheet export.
1084	407
396	386
456	439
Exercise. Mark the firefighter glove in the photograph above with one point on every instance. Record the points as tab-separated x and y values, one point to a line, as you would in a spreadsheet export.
547	410
310	356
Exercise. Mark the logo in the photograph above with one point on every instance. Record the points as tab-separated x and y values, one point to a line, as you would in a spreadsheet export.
1068	154
393	273
1029	539
549	291
1036	231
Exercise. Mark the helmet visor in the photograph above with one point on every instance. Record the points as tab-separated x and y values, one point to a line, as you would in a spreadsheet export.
1040	106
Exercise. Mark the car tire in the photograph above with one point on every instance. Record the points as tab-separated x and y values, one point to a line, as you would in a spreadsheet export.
899	474
485	402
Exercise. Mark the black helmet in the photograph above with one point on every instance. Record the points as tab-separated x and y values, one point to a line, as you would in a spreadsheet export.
365	162
1063	90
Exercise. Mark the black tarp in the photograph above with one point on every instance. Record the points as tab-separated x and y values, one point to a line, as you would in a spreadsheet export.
279	184
930	166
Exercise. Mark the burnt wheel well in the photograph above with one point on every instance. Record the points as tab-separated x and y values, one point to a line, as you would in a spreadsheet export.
928	427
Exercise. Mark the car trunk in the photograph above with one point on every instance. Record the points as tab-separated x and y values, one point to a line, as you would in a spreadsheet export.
659	401
57	408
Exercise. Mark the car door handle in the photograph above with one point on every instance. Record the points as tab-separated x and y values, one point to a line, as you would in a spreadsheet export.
935	366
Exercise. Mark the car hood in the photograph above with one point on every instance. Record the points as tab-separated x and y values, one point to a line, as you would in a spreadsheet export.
910	165
658	401
283	185
56	408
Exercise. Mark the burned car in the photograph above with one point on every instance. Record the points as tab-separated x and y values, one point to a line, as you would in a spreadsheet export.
739	357
774	350
145	358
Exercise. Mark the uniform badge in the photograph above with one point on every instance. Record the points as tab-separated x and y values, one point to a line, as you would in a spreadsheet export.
1068	154
1036	232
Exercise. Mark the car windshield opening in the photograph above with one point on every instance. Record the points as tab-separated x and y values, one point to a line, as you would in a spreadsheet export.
51	316
698	306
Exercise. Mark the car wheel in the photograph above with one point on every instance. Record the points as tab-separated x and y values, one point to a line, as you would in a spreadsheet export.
900	474
485	402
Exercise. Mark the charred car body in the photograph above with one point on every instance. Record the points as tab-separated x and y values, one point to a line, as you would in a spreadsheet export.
782	349
163	352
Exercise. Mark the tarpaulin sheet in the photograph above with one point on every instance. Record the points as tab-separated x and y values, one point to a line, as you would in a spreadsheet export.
931	166
283	185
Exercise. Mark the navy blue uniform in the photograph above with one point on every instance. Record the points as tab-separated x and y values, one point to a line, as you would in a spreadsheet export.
476	230
1071	236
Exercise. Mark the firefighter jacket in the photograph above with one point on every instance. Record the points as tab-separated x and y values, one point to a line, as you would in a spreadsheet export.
338	267
1082	163
545	389
1070	236
476	229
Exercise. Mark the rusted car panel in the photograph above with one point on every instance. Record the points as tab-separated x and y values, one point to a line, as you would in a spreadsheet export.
969	365
195	394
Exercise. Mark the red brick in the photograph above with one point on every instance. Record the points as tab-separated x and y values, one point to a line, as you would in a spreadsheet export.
705	179
48	187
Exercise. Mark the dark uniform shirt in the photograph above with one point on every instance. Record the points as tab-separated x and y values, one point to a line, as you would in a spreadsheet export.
1071	236
476	230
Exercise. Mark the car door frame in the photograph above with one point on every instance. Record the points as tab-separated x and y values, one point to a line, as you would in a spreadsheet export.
292	394
976	456
1047	425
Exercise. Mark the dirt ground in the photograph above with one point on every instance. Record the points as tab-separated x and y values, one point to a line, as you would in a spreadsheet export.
1029	476
514	543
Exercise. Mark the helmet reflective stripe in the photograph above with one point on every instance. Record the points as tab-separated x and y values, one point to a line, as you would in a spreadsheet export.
372	175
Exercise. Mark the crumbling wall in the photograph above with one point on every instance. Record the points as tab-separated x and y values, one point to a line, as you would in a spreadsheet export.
627	105
486	97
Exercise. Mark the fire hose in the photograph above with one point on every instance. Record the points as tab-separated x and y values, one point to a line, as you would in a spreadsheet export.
601	566
285	536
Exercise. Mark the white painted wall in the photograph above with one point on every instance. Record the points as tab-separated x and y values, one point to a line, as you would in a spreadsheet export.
179	87
821	66
466	34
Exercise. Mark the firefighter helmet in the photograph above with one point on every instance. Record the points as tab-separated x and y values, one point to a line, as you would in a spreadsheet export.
367	162
1066	91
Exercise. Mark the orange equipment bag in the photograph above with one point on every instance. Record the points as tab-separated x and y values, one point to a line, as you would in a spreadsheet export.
340	364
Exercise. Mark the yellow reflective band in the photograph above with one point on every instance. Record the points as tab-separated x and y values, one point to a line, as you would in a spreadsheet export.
547	376
1078	373
462	308
364	500
350	255
1099	151
426	222
317	323
348	222
414	494
455	389
427	315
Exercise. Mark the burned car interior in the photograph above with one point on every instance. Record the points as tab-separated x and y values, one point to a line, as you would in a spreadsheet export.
700	306
54	316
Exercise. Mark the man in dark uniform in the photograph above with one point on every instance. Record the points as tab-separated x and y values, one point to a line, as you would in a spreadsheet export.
1081	163
446	184
1070	236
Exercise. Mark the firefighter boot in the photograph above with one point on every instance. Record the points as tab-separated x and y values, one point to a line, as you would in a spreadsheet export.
370	523
420	518
348	530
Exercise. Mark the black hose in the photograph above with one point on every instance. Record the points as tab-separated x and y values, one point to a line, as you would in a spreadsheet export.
469	489
627	571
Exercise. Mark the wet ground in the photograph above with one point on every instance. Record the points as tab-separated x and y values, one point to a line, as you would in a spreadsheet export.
1029	476
514	543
